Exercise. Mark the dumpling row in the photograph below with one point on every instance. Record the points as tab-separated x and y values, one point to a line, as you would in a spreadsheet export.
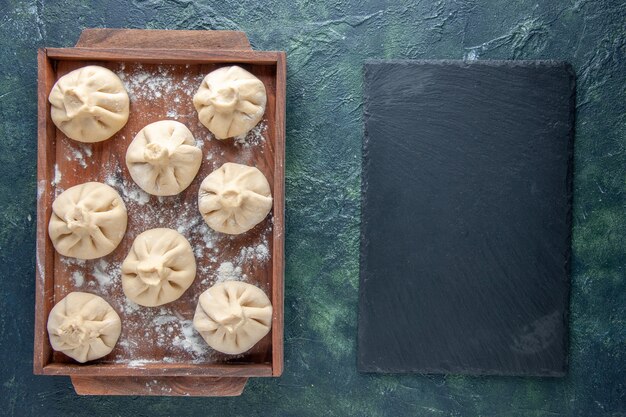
90	104
89	220
231	317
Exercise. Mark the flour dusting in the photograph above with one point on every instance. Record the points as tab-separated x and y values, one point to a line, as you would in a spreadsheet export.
258	252
79	152
137	195
254	137
57	175
41	188
228	272
79	157
105	272
129	191
142	84
130	306
140	363
167	318
73	261
87	149
191	341
78	278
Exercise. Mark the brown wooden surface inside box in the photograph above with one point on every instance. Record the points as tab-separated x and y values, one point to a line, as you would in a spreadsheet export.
160	341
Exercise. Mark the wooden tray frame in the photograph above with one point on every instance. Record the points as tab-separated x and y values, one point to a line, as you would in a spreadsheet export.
167	47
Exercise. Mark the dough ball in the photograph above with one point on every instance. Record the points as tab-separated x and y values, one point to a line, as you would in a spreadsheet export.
89	104
163	158
230	102
233	316
83	326
88	221
234	198
159	268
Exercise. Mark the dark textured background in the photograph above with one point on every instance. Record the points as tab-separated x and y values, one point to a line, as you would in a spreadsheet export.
326	46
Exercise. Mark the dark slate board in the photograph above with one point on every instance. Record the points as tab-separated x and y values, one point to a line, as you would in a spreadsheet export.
466	217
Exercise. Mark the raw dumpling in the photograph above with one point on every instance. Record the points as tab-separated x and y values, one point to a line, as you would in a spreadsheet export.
234	198
83	326
230	102
159	268
89	104
233	316
88	221
163	158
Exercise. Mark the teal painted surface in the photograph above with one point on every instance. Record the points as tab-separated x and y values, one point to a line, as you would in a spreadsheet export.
326	45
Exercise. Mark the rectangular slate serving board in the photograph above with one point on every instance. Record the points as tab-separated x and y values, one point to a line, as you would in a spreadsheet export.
466	217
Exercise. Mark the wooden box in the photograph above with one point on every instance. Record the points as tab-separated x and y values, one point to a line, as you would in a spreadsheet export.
158	353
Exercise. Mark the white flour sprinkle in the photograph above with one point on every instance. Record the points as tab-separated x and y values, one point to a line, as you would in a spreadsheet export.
105	272
157	386
254	137
57	175
188	219
207	249
113	181
209	236
140	363
262	252
129	190
190	340
150	85
258	252
87	149
73	261
130	306
79	279
78	156
41	188
161	320
137	195
164	325
228	272
79	152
